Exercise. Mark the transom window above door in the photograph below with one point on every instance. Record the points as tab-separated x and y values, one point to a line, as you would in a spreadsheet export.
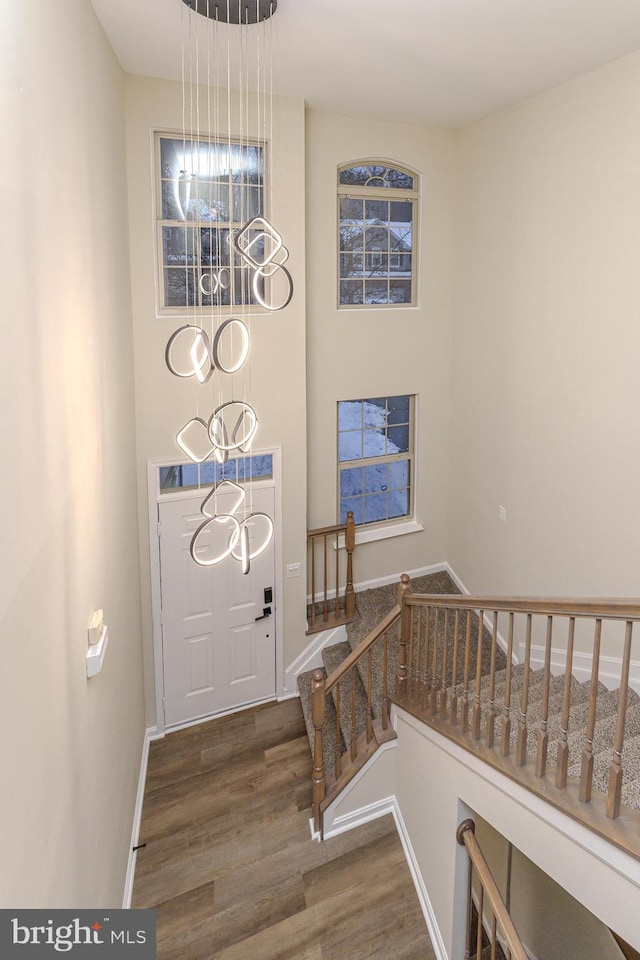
376	242
205	189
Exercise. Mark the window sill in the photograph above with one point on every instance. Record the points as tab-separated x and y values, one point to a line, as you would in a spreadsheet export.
383	533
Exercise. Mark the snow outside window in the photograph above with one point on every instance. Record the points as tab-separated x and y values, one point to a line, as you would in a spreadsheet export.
377	207
375	458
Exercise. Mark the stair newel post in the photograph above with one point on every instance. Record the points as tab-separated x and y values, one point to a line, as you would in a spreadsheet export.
404	590
350	545
543	735
491	714
523	732
317	707
586	774
615	771
506	710
477	705
454	670
562	762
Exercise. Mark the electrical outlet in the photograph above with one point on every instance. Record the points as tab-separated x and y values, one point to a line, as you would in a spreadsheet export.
293	570
502	514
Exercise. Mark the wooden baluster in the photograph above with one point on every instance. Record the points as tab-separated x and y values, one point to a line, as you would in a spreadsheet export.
336	603
404	589
480	927
338	757
385	688
562	761
417	679
506	709
369	689
523	732
350	545
353	713
494	937
325	606
313	581
465	681
491	713
410	656
477	707
445	666
317	713
425	668
454	670
434	666
615	771
586	773
543	735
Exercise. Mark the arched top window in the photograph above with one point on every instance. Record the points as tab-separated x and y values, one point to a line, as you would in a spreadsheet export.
376	235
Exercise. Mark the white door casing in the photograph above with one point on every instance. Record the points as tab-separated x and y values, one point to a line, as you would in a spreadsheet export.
218	648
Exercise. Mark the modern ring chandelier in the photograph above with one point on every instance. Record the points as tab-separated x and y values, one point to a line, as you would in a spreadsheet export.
234	262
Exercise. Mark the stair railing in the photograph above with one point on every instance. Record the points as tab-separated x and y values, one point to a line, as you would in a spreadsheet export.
356	737
334	605
452	686
488	895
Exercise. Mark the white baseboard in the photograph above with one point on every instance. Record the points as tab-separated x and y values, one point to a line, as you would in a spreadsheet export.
425	903
395	577
310	658
359	817
502	643
608	673
151	733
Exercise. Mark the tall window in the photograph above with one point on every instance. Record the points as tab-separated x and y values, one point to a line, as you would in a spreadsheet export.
206	190
377	213
375	458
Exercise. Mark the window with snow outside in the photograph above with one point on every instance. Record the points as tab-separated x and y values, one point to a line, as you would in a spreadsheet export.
375	459
376	241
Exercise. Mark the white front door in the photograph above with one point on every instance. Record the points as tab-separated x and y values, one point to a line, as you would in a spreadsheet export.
218	630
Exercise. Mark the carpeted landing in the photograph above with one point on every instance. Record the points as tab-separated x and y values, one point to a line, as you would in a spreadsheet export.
373	605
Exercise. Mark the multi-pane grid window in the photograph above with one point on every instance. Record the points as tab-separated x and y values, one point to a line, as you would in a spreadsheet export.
208	189
375	458
377	213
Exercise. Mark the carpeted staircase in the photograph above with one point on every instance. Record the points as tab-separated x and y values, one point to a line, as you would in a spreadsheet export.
373	605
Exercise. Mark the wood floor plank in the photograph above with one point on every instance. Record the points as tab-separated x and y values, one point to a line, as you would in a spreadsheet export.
230	865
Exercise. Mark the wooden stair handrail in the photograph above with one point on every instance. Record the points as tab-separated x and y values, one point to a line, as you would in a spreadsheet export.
466	837
343	668
611	608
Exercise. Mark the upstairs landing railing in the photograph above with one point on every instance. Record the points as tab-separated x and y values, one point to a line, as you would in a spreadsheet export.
447	677
332	601
489	905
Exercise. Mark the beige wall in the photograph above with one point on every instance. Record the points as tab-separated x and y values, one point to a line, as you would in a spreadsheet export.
353	354
277	361
546	343
71	746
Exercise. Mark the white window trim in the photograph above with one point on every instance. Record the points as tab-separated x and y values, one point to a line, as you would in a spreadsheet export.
373	533
382	193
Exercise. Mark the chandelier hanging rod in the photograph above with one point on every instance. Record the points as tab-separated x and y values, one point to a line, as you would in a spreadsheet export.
234	11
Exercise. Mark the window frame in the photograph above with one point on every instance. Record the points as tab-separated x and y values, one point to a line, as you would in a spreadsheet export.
391	526
162	310
355	192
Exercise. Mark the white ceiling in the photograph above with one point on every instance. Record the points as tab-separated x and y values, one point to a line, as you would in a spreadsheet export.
441	62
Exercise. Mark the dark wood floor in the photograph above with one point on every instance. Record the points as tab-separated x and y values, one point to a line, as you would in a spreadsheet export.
231	868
